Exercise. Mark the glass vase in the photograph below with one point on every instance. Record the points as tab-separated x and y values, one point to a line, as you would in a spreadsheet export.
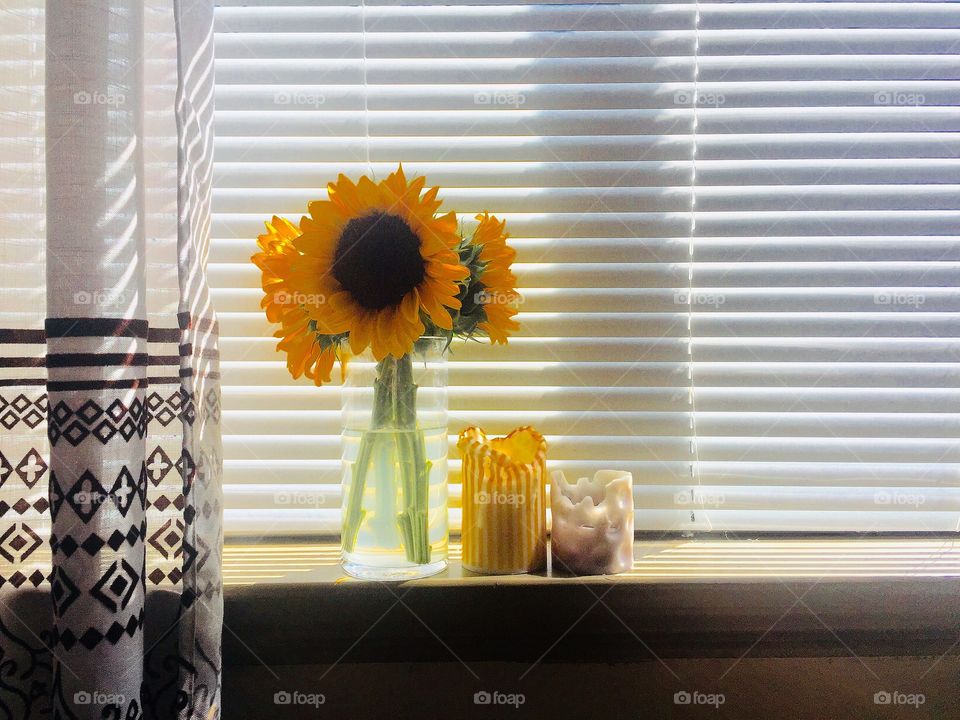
395	464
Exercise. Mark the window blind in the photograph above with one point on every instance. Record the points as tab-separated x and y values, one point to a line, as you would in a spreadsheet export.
710	204
825	266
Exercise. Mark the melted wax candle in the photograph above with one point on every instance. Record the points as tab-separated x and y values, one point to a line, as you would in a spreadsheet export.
592	523
504	527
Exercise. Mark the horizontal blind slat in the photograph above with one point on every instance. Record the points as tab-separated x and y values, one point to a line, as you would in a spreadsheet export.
821	294
816	435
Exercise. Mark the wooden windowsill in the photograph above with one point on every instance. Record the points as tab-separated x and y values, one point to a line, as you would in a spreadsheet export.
291	604
711	560
683	559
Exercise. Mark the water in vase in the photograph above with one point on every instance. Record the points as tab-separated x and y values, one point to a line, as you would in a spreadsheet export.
380	550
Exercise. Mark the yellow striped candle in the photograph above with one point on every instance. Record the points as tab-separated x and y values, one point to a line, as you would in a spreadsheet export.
504	526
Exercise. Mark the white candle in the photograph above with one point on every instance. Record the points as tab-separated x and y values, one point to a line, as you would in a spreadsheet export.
592	523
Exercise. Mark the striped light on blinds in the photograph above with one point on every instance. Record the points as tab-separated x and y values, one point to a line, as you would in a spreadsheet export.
773	157
825	266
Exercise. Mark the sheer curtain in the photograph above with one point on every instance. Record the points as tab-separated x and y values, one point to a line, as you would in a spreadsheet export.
110	510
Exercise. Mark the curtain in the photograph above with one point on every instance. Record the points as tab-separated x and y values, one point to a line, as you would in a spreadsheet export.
110	456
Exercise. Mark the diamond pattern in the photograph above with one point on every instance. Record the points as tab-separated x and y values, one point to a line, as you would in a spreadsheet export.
31	468
68	546
104	432
166	539
212	404
22	409
116	586
92	544
91	638
159	466
89	412
61	413
96	584
165	416
92	420
5	469
86	496
185	466
117	410
63	591
124	490
75	434
115	632
32	418
56	496
18	542
116	540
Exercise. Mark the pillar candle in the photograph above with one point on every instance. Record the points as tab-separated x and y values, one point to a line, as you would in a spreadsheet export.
592	532
504	526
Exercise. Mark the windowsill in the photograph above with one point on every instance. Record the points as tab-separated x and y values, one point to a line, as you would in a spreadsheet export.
674	560
291	604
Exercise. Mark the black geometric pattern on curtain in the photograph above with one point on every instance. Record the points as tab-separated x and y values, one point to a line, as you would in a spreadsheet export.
110	455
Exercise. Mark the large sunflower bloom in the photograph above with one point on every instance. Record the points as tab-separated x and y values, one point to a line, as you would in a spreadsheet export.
499	296
378	256
298	336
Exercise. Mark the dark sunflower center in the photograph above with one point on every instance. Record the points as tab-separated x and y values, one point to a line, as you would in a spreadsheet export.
378	260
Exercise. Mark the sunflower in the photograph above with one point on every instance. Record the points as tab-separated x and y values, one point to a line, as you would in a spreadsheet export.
499	295
306	353
374	265
375	262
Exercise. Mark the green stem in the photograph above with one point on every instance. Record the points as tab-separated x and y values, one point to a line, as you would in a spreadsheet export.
394	408
354	512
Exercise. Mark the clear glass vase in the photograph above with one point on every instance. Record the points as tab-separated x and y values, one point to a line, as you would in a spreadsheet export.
395	464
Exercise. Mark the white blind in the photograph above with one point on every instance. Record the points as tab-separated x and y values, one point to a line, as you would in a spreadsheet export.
820	185
825	319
